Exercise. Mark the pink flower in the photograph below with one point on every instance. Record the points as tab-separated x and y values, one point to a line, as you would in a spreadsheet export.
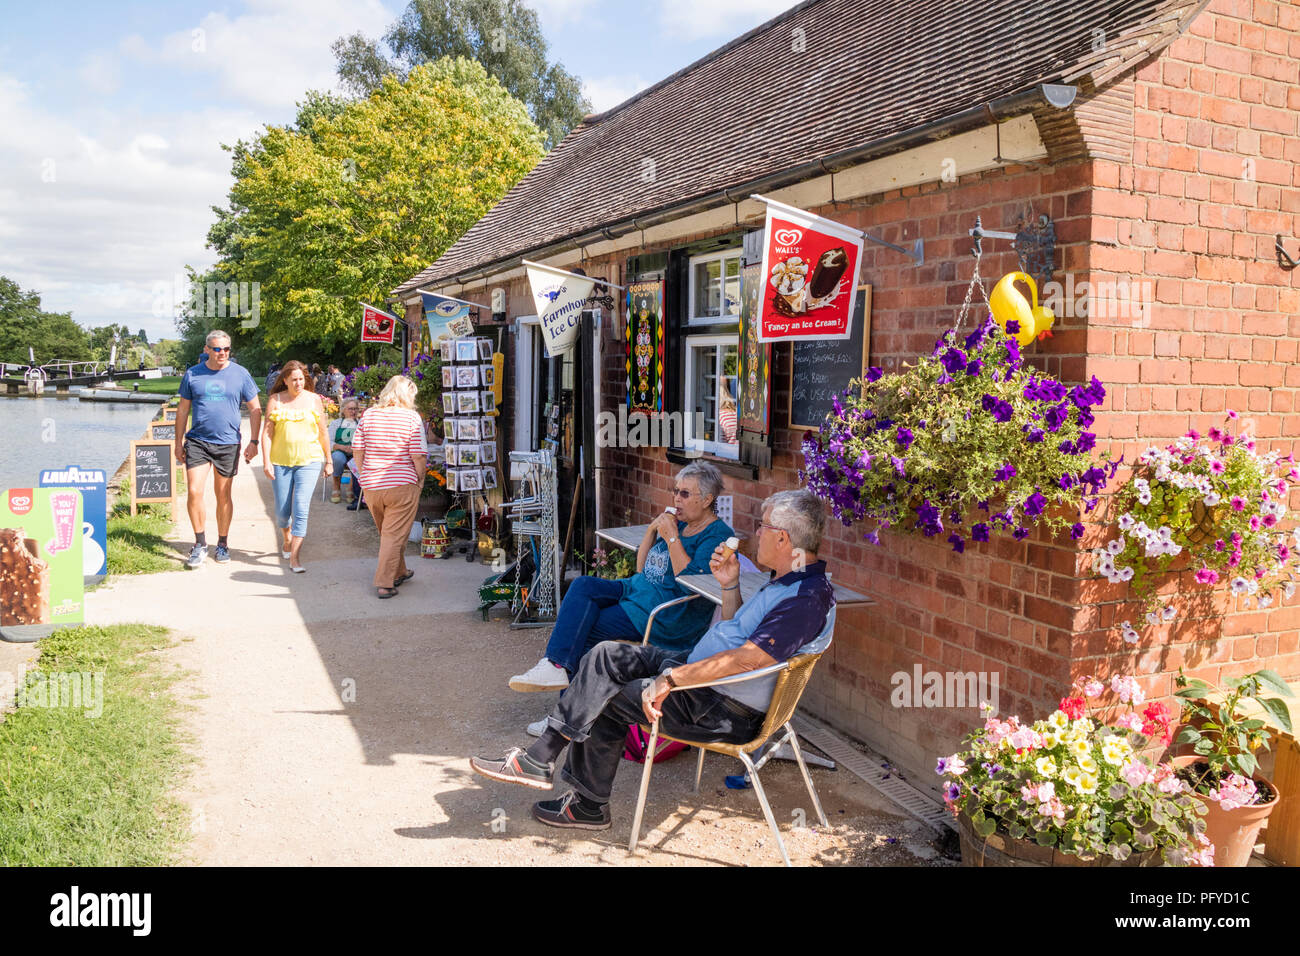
1135	773
1254	522
1270	520
1238	503
1235	559
1128	690
1217	466
1236	791
1283	552
1228	439
1231	413
1130	722
1207	576
1024	739
1215	434
1193	434
1250	446
1094	687
1219	545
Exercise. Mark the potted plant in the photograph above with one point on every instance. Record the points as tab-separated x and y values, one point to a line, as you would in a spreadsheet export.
612	567
1074	790
968	441
1213	501
1222	770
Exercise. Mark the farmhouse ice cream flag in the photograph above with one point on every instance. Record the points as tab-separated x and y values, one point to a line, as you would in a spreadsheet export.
810	267
377	325
558	296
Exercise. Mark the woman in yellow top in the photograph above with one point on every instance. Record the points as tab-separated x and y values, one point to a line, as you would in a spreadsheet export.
294	442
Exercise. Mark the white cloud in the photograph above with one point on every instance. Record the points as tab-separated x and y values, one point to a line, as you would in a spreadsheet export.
556	13
606	92
96	212
717	19
100	74
271	55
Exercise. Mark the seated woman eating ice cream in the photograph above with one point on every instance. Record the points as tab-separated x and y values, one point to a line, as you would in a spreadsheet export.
596	610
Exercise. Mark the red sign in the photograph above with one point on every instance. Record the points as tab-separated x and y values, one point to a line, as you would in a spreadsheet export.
20	500
377	326
810	268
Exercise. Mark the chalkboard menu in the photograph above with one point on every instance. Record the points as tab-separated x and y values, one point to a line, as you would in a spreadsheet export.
823	368
153	475
159	431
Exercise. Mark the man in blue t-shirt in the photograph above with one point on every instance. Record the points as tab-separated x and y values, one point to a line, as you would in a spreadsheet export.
213	392
617	684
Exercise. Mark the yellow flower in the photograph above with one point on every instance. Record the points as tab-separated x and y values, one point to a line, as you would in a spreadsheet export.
1051	739
1087	764
1059	720
1079	747
1045	766
1087	784
1071	776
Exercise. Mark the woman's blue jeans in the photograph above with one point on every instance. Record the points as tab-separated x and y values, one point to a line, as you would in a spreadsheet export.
293	486
588	615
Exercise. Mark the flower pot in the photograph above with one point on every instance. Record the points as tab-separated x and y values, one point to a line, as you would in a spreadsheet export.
1233	832
1204	517
1002	850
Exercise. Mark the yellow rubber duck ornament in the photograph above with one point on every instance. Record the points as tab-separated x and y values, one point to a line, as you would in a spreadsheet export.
1008	303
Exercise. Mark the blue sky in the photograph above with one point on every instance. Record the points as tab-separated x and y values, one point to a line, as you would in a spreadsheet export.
112	116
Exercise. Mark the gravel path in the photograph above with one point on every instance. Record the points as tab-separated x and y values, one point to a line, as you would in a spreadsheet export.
334	728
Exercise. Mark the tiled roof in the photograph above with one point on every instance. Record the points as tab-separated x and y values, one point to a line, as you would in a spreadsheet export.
869	69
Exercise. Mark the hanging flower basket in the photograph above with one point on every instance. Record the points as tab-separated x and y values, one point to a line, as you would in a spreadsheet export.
968	442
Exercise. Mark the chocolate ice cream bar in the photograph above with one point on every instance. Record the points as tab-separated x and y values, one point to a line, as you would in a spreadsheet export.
24	580
827	273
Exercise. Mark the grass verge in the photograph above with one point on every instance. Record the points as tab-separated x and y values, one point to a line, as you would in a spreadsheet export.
167	385
136	543
77	790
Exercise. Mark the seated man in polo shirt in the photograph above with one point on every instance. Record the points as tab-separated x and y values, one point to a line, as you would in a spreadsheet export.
617	684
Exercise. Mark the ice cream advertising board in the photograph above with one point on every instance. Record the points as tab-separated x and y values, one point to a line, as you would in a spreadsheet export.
92	483
810	268
41	585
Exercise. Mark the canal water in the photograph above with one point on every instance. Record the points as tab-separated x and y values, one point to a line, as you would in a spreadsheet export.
54	432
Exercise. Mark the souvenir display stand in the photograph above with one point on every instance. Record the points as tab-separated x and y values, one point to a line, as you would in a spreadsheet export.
532	514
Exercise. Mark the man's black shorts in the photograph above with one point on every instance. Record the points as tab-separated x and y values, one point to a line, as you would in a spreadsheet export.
224	458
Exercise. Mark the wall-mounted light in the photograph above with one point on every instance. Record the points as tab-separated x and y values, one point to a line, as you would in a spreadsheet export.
498	304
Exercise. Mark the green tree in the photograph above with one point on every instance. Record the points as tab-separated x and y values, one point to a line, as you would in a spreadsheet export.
143	337
53	336
503	35
344	211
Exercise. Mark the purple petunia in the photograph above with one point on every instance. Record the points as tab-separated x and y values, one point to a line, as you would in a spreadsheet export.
1076	531
904	437
1012	326
957	543
1087	441
864	461
1035	436
1056	416
1020	533
1035	504
1066	446
874	373
953	361
1006	472
974	367
979	532
898	465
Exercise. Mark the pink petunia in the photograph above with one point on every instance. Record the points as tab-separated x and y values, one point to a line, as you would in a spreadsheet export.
1254	522
1231	413
1217	467
1207	576
1238	503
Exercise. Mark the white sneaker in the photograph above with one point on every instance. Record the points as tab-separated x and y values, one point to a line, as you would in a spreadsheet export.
543	676
537	728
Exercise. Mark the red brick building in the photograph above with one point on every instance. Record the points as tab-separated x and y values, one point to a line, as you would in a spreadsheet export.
1167	181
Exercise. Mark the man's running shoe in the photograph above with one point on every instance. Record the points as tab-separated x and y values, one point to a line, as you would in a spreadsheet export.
197	555
222	555
515	767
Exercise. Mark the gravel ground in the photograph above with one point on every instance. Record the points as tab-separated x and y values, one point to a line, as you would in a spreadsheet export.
333	728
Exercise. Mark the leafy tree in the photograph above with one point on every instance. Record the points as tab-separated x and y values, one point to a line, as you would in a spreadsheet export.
364	197
143	337
503	35
53	336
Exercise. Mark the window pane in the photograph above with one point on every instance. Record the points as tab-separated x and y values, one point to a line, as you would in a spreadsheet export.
732	287
704	390
708	289
728	370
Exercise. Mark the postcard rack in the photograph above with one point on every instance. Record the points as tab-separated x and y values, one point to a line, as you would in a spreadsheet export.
532	515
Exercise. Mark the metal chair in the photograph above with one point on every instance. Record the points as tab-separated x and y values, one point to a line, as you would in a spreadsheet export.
793	676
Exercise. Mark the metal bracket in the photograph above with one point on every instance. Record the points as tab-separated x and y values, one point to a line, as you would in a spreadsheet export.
1035	246
1283	259
916	253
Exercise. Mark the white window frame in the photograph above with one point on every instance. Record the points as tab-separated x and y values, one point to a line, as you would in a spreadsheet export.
718	449
722	255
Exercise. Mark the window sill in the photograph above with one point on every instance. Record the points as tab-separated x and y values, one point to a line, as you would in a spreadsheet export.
728	466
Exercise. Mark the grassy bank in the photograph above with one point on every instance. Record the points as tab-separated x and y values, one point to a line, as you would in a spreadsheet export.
80	790
137	543
167	385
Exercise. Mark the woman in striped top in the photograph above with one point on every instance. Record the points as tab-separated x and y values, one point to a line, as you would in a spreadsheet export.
391	455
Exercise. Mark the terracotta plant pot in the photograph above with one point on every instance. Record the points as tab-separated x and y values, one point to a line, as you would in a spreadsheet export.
1002	850
1233	832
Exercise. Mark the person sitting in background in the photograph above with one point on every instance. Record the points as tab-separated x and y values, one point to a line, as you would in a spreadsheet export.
596	610
340	432
727	418
619	684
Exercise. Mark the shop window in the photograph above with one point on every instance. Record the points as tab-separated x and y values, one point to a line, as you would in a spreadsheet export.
711	367
714	288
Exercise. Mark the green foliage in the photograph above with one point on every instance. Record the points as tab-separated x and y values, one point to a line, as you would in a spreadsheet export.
53	335
368	197
612	566
503	35
425	371
1220	732
137	543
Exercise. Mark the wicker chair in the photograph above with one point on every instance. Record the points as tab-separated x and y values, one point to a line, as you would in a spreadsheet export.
793	676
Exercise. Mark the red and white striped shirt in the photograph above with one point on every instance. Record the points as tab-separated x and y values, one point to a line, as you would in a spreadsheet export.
387	438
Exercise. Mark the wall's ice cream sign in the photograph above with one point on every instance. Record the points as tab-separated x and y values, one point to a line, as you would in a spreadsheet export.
810	264
40	562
